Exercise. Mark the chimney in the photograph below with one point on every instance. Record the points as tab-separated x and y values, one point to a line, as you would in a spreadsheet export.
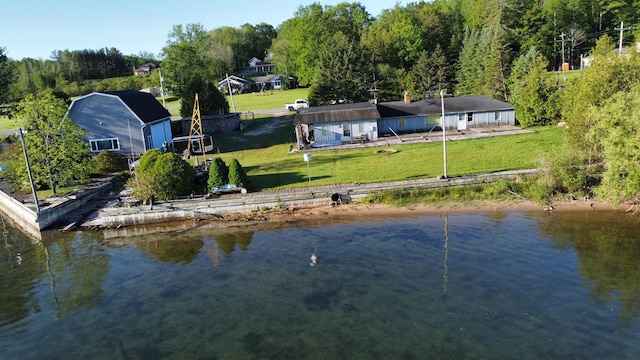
407	97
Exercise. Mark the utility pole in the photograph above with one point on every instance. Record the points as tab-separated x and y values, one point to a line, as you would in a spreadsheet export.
564	75
444	133
622	29
26	159
164	104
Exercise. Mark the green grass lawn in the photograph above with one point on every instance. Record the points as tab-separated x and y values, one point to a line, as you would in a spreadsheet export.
251	101
270	166
7	124
266	100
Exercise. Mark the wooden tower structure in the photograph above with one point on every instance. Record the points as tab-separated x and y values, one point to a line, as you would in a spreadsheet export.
196	128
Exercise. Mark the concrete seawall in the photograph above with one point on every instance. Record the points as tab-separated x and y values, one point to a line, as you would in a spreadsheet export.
200	208
52	210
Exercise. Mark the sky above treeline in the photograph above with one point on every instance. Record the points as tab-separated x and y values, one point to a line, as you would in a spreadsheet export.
34	29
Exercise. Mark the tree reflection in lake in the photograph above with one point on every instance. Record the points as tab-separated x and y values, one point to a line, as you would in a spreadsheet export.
76	265
608	247
17	278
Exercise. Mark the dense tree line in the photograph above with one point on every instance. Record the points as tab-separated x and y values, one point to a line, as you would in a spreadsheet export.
72	73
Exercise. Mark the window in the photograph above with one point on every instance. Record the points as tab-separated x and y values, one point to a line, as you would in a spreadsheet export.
498	116
402	123
346	129
469	117
104	144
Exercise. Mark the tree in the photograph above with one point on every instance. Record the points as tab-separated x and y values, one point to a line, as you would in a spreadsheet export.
211	100
532	93
310	33
218	174
343	74
237	175
484	64
186	57
591	135
6	76
57	150
431	73
162	175
618	130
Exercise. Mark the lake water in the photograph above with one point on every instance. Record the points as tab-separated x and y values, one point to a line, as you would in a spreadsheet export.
504	285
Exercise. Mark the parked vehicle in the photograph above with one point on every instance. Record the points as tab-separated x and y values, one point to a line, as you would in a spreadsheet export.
298	104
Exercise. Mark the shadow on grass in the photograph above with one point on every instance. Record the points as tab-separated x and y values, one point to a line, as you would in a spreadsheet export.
282	133
278	180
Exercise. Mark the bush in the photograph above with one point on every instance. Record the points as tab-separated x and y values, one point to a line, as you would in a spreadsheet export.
108	162
218	174
162	176
237	176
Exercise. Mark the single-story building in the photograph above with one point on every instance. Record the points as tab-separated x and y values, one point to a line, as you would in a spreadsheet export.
215	124
336	124
127	122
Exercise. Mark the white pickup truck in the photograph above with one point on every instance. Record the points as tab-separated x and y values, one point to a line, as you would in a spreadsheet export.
298	104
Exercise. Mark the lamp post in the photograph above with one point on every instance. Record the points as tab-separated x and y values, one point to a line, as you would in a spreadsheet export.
26	159
444	133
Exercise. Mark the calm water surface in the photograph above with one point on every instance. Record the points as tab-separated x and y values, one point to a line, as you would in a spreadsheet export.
458	286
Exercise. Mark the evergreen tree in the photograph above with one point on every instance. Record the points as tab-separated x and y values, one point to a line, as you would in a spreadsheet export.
162	175
431	72
343	74
532	90
6	76
237	175
211	100
218	174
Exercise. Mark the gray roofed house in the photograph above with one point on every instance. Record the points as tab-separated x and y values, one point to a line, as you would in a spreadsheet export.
127	122
335	124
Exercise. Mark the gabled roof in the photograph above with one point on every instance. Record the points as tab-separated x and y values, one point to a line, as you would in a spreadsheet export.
144	105
391	109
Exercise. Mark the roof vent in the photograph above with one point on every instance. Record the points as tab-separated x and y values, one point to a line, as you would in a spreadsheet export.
407	97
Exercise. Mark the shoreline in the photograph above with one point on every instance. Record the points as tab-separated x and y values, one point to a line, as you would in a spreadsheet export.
356	210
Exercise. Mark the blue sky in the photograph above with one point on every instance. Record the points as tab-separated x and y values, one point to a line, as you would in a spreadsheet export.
35	28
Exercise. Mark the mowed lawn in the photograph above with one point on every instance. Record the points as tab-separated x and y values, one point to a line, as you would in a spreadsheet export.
270	166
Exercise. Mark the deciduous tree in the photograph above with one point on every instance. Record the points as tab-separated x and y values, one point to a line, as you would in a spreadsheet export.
57	150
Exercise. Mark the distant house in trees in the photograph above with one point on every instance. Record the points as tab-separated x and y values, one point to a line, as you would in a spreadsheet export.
236	83
127	122
335	124
144	69
257	65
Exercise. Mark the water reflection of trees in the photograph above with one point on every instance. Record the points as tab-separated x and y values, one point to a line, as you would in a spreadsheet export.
608	247
17	279
228	241
77	265
177	251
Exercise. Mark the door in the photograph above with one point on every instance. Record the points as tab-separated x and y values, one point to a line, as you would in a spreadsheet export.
462	122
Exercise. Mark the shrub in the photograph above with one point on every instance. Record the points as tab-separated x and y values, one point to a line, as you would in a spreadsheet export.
237	176
108	162
162	176
218	174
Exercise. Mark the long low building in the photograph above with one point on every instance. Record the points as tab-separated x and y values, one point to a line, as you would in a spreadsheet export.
336	124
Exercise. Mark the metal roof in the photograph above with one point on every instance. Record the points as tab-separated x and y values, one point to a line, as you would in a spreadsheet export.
336	113
144	105
391	109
